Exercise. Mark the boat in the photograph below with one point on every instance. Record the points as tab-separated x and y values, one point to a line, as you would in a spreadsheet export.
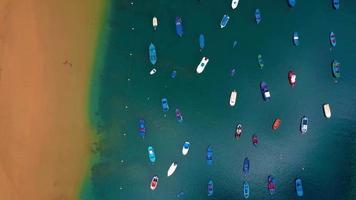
153	71
304	124
246	166
234	4
260	61
142	129
265	92
246	190
296	38
152	54
336	66
204	61
165	106
224	21
209	155
179	115
185	148
174	74
201	41
154	183
258	16
271	184
151	154
327	110
292	3
180	194
277	122
233	98
332	38
232	72
154	23
238	131
292	78
336	4
299	187
172	169
179	26
234	44
254	140
210	188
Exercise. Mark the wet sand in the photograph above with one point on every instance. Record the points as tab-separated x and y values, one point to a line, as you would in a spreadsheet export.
46	55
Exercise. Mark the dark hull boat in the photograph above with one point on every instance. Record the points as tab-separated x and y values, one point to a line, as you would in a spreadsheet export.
238	131
179	26
210	188
336	66
246	166
266	95
258	16
179	115
254	140
142	129
271	184
292	3
332	39
209	155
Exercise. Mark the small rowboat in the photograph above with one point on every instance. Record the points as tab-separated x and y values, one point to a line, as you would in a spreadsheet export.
233	98
142	129
204	61
254	140
258	16
172	169
260	61
246	190
299	187
154	23
210	188
246	166
336	68
292	78
201	42
238	131
224	21
154	183
296	38
209	155
327	110
151	154
152	54
179	115
292	3
336	4
271	184
179	26
332	38
277	122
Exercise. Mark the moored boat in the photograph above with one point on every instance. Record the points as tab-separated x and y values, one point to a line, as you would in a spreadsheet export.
292	78
260	61
224	21
246	189
264	90
296	38
271	186
332	38
210	188
254	140
153	71
154	23
154	183
292	3
172	169
151	154
200	68
201	41
304	124
233	98
277	122
179	115
246	166
238	131
258	16
327	110
336	66
234	4
179	26
185	148
142	129
336	4
209	155
299	187
165	106
152	54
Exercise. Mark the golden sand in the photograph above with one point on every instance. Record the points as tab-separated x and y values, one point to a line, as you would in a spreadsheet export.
46	55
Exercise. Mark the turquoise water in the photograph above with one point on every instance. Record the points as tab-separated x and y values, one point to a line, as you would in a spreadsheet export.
324	158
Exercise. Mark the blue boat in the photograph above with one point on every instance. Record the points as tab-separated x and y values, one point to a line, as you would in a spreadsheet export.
224	21
201	41
174	74
165	106
209	155
299	187
179	115
142	129
258	16
152	53
332	38
266	95
210	188
296	38
180	194
179	26
151	154
246	190
246	166
336	4
292	3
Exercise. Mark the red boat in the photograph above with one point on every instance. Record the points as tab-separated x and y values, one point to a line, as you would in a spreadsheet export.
277	122
154	182
254	140
238	131
292	78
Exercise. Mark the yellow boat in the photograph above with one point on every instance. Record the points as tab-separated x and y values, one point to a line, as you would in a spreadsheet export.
327	110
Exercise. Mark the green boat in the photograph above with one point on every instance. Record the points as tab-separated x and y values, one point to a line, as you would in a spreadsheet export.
336	68
260	61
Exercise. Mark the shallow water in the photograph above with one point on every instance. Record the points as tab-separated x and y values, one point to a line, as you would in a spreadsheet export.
322	158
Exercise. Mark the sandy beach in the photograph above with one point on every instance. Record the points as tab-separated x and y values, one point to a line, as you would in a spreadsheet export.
46	54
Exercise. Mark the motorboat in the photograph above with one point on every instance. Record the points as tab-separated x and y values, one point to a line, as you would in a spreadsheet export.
210	188
179	115
246	190
154	23
336	66
232	72
154	183
153	71
201	41
292	78
172	169
271	184
165	106
185	148
238	131
209	155
299	187
260	61
173	74
292	3
204	61
233	98
179	26
332	38
151	154
296	38
234	4
327	110
142	129
254	140
152	54
258	16
277	122
336	4
224	21
264	90
304	124
246	166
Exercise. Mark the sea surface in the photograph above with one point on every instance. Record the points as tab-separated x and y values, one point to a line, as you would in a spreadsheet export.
324	158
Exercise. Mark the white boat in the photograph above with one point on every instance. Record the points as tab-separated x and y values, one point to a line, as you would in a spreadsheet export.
153	71
204	61
154	23
327	111
234	4
185	148
172	169
233	98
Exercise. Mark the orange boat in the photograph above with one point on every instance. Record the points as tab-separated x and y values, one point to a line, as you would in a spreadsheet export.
277	122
